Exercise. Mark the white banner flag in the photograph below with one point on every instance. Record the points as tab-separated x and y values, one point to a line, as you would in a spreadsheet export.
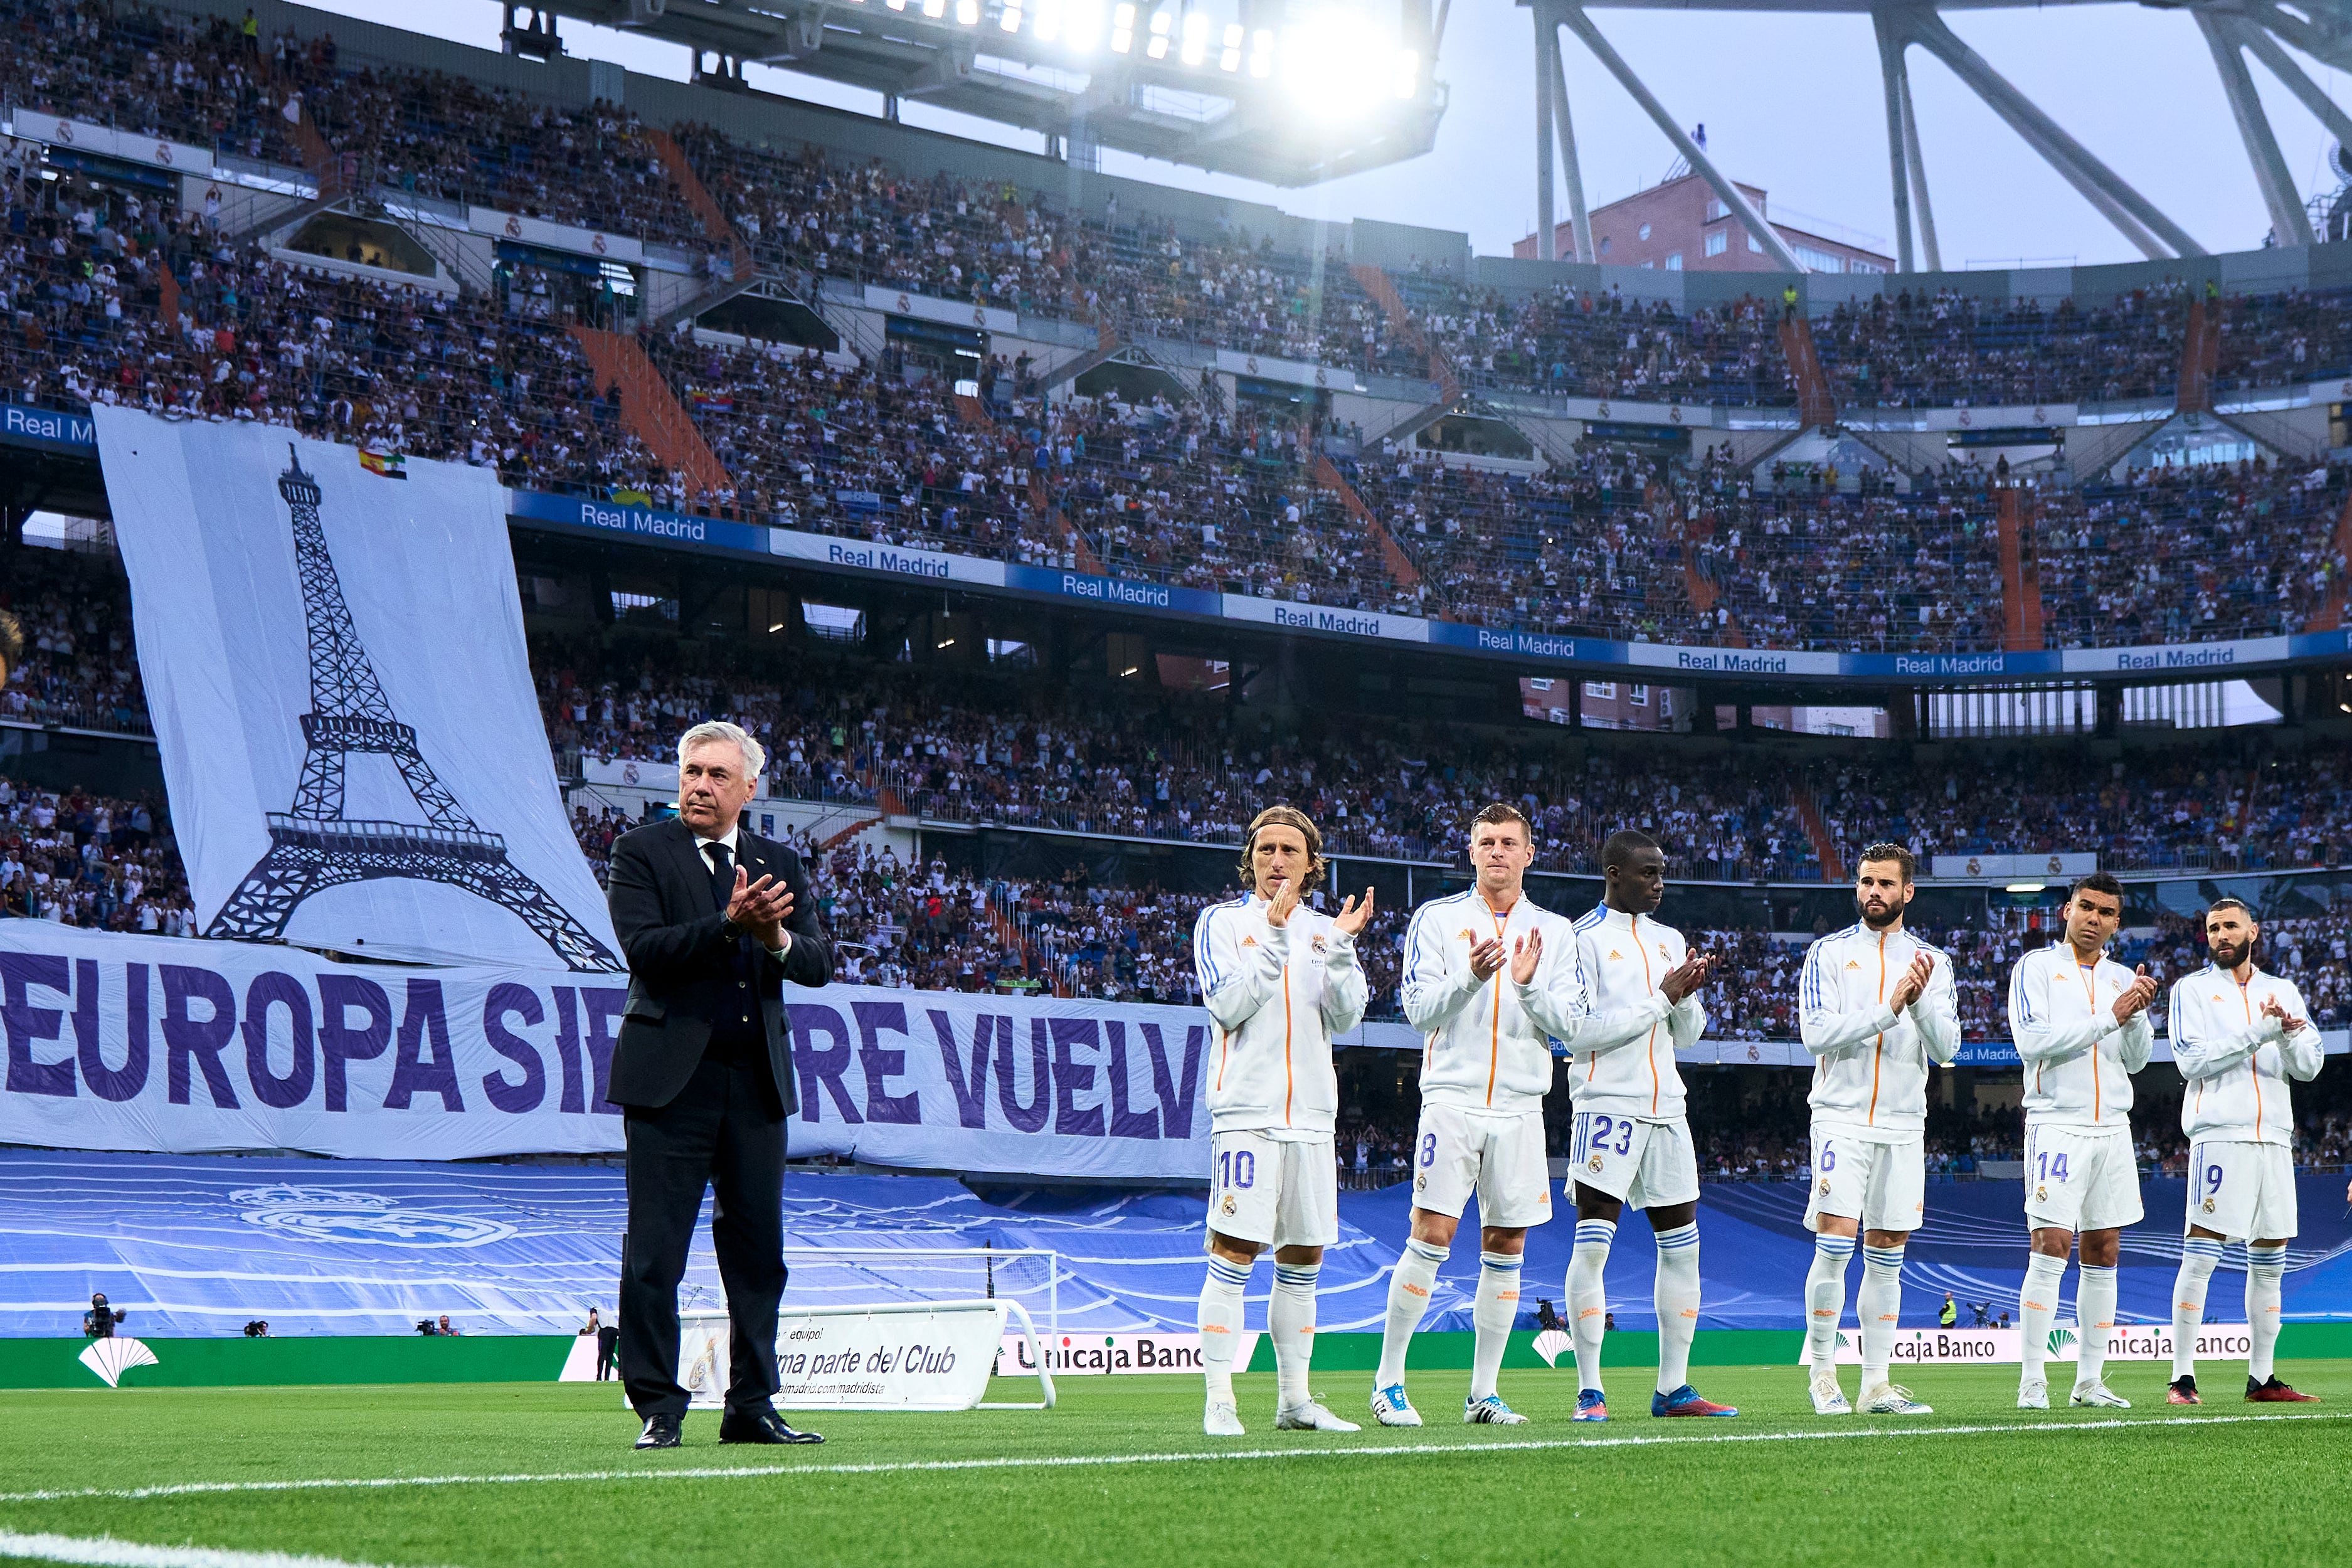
188	1048
333	646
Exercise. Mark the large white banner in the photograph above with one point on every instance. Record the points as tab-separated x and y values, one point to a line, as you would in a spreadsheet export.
184	1048
335	665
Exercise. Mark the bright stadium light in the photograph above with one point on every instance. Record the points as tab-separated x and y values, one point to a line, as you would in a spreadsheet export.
1048	25
1122	29
1159	47
1010	18
1086	26
1262	53
1330	61
935	9
1408	73
1231	59
1196	38
967	12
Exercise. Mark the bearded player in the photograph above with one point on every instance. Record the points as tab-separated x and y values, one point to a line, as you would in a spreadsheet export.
1490	975
1877	1005
2239	1035
1279	980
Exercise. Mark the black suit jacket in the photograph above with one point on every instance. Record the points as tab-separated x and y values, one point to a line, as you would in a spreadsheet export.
681	959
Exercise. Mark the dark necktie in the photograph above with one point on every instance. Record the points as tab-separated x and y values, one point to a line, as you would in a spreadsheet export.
723	876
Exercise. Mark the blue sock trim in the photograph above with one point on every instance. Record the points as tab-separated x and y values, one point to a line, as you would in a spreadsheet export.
2266	1260
1297	1274
1234	1274
1595	1232
1838	1247
2200	1246
1502	1262
1674	1240
1425	1249
1882	1257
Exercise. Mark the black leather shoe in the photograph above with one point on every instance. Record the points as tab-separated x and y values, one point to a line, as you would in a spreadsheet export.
761	1426
661	1432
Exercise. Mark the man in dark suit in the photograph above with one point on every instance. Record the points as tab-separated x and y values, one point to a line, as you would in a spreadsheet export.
714	919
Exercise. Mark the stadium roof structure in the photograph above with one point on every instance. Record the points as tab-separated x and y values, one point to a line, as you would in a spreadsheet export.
1258	88
2233	29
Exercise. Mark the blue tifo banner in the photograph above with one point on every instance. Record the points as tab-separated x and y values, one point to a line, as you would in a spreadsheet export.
176	1046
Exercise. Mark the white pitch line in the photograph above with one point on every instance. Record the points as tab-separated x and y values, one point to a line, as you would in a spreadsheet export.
1205	1456
106	1552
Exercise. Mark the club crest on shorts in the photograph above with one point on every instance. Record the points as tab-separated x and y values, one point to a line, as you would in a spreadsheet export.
1595	1164
1228	1205
1825	1186
1420	1183
2041	1194
2209	1205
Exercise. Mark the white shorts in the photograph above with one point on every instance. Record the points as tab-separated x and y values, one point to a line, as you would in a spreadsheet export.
1275	1192
2243	1190
2080	1178
1457	1151
1647	1164
1883	1186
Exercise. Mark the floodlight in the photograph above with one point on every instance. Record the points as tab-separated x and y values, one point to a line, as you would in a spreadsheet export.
935	9
1011	19
1122	29
967	12
1262	53
1086	25
1196	38
1231	59
1408	72
1159	47
1048	24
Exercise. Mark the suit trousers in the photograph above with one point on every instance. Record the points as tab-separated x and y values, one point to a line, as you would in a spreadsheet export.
725	1130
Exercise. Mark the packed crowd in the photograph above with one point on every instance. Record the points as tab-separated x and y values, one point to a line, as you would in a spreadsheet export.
2226	806
292	101
2192	554
1604	544
87	860
79	669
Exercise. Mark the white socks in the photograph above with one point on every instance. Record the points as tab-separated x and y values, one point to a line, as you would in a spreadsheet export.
1221	1323
2095	1318
2037	1309
1497	1307
2199	1256
1410	1285
1677	1298
2265	1277
1880	1307
1825	1300
1588	1297
1290	1319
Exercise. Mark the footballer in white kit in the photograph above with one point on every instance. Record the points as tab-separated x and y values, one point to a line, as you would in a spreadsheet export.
2239	1035
1279	980
1632	1146
1876	1005
2080	1021
1488	978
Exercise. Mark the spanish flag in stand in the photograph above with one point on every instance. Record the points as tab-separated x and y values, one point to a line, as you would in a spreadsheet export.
385	465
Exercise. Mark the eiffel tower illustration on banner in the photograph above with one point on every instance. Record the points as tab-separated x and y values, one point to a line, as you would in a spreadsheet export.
314	846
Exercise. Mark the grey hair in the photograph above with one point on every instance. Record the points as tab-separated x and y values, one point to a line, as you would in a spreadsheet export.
755	755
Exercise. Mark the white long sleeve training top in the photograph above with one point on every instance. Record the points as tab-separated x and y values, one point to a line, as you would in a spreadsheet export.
1277	994
2078	1060
1622	1052
1487	1043
1870	1061
2237	1058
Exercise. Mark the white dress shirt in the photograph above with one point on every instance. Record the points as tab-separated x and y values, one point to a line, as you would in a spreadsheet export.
702	846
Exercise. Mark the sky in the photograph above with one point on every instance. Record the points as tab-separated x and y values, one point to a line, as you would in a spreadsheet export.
1791	103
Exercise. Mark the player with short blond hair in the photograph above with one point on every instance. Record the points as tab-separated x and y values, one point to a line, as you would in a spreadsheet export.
2239	1035
1279	979
2080	1021
1876	1004
1489	978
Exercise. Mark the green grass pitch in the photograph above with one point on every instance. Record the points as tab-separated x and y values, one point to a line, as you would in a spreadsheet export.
543	1474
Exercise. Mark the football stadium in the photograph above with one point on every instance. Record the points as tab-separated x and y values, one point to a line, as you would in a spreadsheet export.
924	730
